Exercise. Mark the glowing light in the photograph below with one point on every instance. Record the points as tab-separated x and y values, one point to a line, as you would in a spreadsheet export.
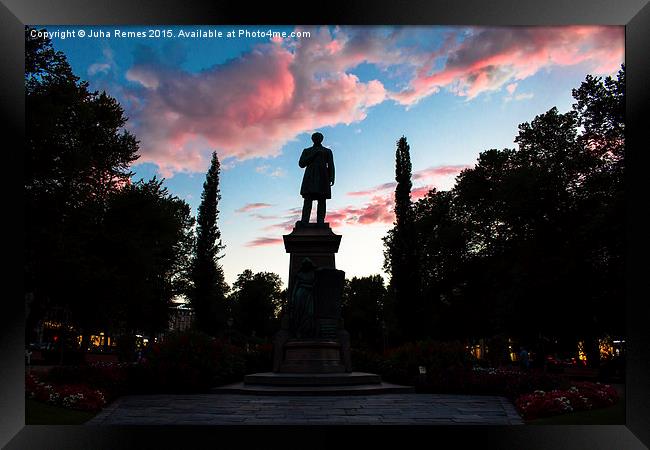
582	356
476	351
606	348
52	324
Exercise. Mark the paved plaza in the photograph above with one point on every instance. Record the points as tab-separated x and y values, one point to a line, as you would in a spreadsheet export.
229	409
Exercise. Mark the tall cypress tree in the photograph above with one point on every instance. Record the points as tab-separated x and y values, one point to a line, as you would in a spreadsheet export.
208	293
401	257
403	207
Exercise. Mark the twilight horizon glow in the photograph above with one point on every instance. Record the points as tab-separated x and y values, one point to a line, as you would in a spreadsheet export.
255	100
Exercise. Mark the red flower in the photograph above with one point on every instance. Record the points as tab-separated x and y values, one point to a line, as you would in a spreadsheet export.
582	396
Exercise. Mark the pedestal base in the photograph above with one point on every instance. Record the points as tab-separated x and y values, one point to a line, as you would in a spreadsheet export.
312	356
358	389
316	242
271	383
311	379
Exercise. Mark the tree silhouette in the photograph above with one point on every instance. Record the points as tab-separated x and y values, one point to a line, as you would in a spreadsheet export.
362	310
209	290
601	108
256	298
77	155
113	253
400	255
530	241
145	248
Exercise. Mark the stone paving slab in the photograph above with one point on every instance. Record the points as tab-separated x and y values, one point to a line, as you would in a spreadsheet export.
226	409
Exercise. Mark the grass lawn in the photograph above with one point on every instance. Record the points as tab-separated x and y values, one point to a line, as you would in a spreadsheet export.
39	413
612	415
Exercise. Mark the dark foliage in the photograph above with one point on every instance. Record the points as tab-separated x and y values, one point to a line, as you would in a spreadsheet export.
401	259
107	253
255	301
530	241
189	362
362	311
209	289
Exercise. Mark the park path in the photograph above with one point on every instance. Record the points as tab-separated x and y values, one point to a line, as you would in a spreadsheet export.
233	409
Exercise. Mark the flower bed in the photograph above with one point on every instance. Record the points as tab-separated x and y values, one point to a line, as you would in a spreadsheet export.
579	397
512	382
109	377
184	362
73	396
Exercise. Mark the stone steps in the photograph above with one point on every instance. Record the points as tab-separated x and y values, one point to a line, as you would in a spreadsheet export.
312	379
364	389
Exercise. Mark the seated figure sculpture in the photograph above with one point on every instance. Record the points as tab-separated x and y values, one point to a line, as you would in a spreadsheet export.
301	302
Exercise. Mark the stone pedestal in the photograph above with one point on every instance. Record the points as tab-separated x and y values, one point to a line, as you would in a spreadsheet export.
312	356
313	241
314	359
326	349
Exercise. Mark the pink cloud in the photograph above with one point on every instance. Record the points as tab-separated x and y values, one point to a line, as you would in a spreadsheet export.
489	58
251	106
284	226
378	209
379	188
420	192
431	174
252	206
439	171
264	241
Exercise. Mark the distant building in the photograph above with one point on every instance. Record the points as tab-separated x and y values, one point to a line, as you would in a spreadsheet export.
181	317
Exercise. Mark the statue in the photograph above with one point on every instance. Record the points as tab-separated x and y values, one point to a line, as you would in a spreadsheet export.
301	302
318	163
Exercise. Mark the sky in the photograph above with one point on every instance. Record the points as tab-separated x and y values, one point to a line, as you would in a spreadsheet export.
256	99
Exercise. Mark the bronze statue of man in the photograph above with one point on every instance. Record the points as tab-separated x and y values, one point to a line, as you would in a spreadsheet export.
318	163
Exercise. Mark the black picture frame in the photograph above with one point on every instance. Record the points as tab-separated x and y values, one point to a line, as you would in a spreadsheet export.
633	14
